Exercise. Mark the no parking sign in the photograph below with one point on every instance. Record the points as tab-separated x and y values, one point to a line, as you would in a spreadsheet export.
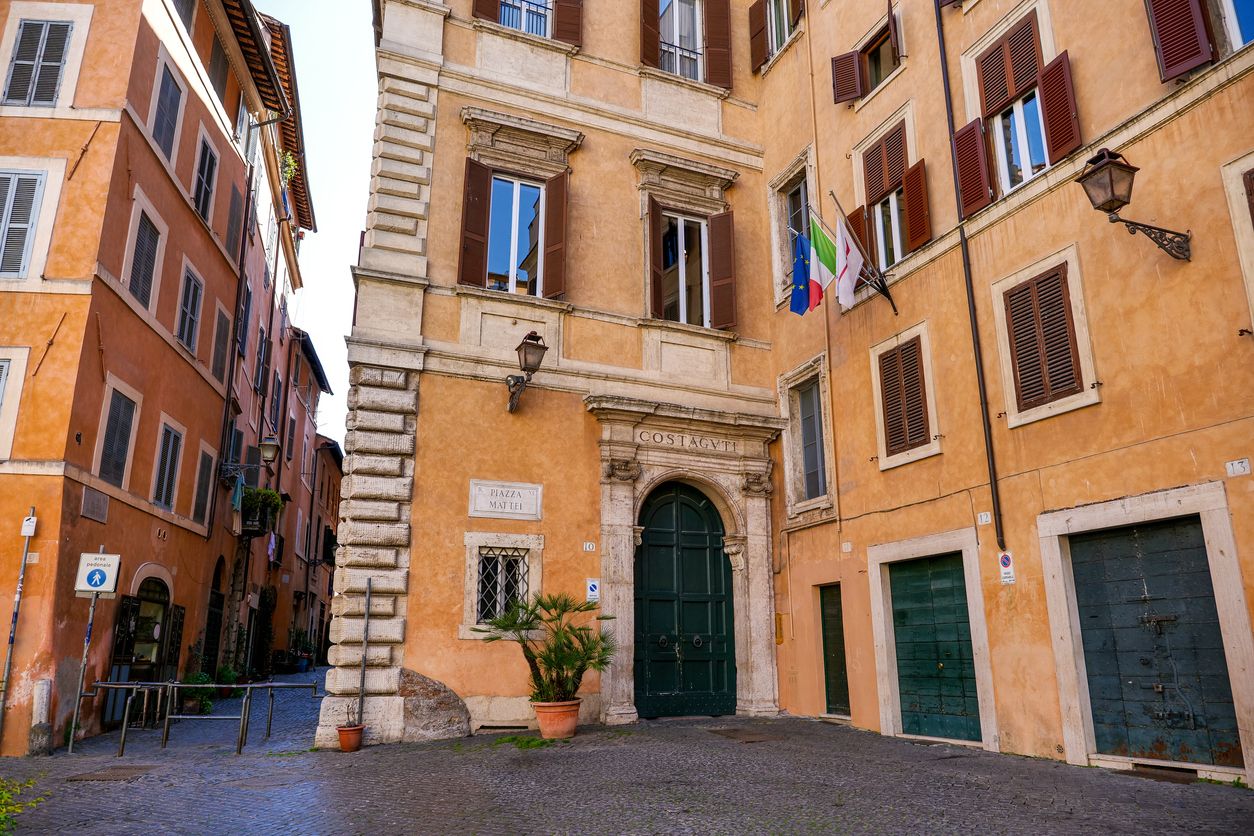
1007	565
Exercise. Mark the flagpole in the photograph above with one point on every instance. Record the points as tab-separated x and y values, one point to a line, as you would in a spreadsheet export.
880	281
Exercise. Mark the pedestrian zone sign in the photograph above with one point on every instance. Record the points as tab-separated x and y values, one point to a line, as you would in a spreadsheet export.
97	575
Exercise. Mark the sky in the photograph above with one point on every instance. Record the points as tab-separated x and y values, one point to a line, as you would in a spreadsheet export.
333	43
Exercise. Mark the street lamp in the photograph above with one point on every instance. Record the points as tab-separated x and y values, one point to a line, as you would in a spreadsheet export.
530	356
269	449
1107	180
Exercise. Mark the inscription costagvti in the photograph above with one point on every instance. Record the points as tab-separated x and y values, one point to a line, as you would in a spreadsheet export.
687	441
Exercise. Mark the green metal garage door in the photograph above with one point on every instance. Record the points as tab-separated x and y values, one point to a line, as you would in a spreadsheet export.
1153	653
935	667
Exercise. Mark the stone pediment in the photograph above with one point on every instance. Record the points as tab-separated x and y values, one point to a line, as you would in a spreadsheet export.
683	183
516	142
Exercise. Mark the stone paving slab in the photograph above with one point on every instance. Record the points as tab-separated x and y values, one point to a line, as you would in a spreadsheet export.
723	775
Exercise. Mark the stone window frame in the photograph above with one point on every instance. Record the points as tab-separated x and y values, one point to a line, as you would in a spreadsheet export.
877	29
79	16
1091	393
813	370
682	185
969	61
474	540
933	447
1232	174
517	144
11	394
112	383
777	199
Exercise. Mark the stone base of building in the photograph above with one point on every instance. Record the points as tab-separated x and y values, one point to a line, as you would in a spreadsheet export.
490	713
424	709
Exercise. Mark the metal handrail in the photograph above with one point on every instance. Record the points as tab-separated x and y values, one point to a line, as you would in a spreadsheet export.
167	693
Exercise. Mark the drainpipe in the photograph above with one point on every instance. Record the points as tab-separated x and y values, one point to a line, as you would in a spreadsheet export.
976	350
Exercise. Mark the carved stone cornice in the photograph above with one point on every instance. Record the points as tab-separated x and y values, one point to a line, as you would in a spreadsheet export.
624	470
758	482
526	145
682	183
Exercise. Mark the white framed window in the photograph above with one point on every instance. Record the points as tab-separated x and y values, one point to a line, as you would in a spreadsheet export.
904	398
189	310
20	196
500	568
534	17
685	269
1018	137
12	376
38	63
115	440
206	179
788	197
680	46
779	25
807	459
187	12
1239	16
166	475
888	226
797	205
168	95
516	236
810	420
145	252
204	483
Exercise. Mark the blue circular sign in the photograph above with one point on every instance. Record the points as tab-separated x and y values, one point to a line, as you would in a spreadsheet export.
1005	560
96	578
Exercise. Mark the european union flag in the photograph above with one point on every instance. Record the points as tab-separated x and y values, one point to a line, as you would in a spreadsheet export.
800	301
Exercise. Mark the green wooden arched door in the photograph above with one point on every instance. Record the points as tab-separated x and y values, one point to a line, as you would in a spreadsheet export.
685	653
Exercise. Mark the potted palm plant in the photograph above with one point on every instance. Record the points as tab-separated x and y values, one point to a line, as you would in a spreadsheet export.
558	653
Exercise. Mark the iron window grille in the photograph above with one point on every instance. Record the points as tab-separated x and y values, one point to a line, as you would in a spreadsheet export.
502	580
530	16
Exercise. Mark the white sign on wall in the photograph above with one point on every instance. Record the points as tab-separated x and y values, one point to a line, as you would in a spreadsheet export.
97	574
505	500
594	589
1006	564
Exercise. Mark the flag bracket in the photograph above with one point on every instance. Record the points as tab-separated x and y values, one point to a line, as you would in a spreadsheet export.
871	276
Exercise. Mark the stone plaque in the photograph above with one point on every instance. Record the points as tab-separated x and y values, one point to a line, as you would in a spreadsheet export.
505	500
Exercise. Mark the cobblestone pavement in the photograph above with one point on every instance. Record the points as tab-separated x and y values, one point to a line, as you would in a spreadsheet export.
689	776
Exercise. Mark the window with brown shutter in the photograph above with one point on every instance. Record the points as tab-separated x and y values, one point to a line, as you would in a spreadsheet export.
847	77
918	218
487	9
1182	36
1058	109
473	266
1042	339
718	66
722	271
1008	68
903	398
975	186
650	37
568	21
884	164
759	51
555	208
692	267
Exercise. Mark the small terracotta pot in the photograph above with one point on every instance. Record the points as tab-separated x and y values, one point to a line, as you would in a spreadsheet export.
557	719
350	737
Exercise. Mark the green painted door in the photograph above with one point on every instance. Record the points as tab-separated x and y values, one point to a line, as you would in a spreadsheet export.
932	632
835	674
685	656
1153	650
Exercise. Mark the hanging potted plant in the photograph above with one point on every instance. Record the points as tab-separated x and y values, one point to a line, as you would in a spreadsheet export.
558	653
259	509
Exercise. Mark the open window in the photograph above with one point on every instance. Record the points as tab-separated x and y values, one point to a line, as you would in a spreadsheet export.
561	20
689	38
895	220
771	24
692	268
855	74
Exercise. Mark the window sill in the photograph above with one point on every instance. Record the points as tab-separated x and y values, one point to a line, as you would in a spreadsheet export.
681	81
818	503
1079	400
926	451
792	39
506	296
467	632
552	44
685	328
862	102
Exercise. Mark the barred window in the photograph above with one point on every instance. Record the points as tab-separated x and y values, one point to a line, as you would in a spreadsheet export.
502	580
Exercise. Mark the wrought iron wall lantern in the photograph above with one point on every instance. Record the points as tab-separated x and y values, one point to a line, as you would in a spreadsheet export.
530	356
1107	180
228	472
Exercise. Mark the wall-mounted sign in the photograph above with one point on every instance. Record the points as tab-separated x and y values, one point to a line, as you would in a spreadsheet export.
97	575
505	500
1006	564
686	441
594	589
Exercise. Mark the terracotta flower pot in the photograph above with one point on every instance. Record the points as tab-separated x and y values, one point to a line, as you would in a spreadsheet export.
350	737
557	719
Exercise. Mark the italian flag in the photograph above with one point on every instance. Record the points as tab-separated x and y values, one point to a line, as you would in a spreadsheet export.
839	261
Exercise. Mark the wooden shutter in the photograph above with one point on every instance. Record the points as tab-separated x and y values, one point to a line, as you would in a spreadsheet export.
718	66
884	164
918	219
235	223
555	227
19	193
144	259
894	34
847	77
241	324
858	226
1058	109
51	64
1181	33
117	439
204	479
252	456
174	641
722	271
1248	179
25	60
796	8
903	395
657	298
650	35
473	266
975	186
1009	68
758	52
160	490
487	10
166	120
1042	340
568	21
221	339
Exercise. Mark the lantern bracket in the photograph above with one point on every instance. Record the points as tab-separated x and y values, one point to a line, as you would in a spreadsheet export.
1174	244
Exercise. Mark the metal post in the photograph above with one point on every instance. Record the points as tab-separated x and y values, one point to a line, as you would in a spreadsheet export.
270	712
126	720
172	695
17	605
245	711
82	668
365	648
